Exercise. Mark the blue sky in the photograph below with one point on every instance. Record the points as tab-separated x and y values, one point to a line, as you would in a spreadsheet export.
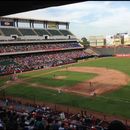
88	18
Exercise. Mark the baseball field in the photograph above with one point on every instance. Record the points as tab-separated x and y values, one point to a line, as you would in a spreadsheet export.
100	85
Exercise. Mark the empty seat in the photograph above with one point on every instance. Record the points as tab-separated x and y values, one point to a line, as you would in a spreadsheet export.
65	32
41	32
27	32
54	32
10	31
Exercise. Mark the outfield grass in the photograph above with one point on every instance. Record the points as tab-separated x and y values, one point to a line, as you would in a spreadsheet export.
116	102
121	64
100	104
71	78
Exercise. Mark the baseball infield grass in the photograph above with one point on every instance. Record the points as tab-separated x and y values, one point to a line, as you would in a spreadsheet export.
115	103
69	78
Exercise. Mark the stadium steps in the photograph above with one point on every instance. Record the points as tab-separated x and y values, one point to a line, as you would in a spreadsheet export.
35	32
10	31
27	32
42	32
1	33
54	32
19	32
65	32
60	33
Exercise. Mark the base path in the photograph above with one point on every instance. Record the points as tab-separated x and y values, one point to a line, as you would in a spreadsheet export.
106	80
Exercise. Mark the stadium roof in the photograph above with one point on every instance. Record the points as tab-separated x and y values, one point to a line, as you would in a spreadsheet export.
36	20
16	6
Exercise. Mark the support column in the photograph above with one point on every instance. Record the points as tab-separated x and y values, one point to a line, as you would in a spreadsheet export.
44	24
17	23
30	23
57	25
67	26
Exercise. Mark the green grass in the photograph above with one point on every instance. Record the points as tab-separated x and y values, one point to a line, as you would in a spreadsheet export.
116	102
71	78
121	64
36	73
99	104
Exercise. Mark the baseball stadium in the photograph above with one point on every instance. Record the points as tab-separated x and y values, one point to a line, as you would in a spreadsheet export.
48	66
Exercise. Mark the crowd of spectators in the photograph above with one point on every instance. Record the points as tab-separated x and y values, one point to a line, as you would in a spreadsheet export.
40	117
6	48
18	63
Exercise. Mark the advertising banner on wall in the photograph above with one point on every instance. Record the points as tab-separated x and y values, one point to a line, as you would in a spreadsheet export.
7	23
52	25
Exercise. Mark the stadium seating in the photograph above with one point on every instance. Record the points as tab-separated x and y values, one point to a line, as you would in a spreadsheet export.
91	52
37	46
38	60
24	49
26	32
24	53
0	33
41	32
10	31
40	117
54	32
65	32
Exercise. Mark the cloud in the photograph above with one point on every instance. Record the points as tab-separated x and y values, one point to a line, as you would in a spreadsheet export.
88	18
72	12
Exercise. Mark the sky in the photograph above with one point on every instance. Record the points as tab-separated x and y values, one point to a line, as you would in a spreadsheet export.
88	18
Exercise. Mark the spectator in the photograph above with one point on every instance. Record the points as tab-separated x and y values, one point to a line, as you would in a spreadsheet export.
116	125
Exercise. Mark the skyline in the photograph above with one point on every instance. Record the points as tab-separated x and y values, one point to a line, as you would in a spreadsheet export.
87	18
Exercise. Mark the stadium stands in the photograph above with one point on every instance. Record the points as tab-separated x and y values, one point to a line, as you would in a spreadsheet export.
14	115
54	32
10	31
5	48
26	54
26	32
18	63
41	32
65	32
91	52
24	49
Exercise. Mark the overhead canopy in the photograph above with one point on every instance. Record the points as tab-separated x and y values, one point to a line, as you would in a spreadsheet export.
17	6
